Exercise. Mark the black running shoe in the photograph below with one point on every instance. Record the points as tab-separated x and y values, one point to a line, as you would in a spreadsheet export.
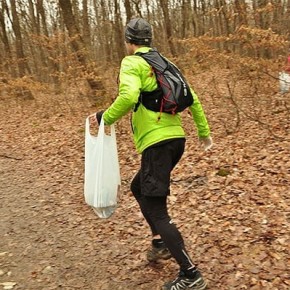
161	253
182	282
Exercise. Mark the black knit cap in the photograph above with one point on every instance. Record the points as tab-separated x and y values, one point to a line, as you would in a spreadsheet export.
138	31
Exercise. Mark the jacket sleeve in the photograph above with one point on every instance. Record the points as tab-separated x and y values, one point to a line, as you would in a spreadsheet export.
129	90
199	117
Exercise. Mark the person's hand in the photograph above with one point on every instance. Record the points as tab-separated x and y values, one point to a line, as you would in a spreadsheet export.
206	142
99	116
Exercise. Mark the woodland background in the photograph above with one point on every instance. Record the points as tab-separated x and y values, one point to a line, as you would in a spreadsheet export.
57	42
59	63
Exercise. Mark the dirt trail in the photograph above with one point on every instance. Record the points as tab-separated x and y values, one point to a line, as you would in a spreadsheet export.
49	241
49	238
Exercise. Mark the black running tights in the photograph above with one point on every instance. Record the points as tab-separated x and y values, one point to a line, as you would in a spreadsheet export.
156	214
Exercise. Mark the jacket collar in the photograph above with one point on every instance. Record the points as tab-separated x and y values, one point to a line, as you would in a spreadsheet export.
142	49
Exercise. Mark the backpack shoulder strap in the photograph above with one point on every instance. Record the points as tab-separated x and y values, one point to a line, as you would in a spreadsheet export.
155	59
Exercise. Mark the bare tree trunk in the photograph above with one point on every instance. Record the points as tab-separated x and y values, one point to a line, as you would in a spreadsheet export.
73	30
77	42
41	12
39	59
195	21
167	23
185	12
119	35
105	33
128	10
287	20
22	63
53	66
86	27
217	22
4	37
204	24
262	21
226	17
257	7
148	13
240	10
138	8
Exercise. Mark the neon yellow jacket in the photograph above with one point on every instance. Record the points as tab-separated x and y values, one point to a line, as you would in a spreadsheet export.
148	129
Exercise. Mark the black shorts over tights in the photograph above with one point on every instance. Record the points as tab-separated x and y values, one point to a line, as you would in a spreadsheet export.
157	162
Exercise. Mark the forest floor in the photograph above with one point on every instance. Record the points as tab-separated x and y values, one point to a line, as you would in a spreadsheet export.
231	204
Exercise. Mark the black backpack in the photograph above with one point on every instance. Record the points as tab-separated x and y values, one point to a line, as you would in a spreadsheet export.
173	94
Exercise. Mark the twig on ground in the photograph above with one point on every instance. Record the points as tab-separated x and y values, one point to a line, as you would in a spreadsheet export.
10	157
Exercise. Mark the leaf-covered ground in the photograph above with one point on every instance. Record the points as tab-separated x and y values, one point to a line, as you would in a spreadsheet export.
231	204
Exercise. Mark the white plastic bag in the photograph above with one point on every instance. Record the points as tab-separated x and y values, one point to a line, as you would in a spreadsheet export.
284	79
102	173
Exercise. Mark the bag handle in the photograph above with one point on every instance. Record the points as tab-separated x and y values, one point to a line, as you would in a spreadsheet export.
101	131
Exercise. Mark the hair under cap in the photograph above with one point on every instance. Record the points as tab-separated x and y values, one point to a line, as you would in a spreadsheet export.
138	31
